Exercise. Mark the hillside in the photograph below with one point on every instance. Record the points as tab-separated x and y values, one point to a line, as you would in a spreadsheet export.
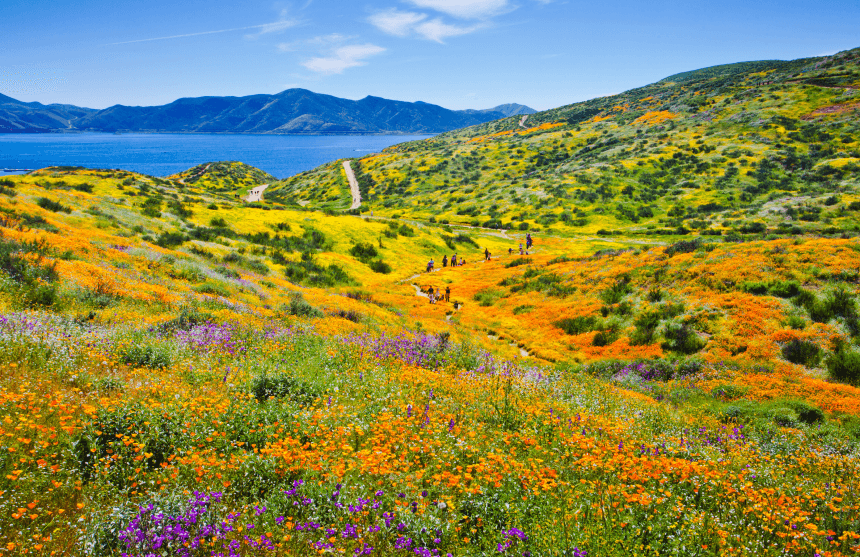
186	373
294	111
179	367
21	117
230	177
730	149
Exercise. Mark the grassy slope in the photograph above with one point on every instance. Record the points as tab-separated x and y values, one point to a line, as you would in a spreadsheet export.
727	436
683	152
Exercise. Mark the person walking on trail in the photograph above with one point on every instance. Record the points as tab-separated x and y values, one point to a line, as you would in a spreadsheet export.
431	295
454	260
429	266
447	293
521	248
444	261
529	240
510	251
486	254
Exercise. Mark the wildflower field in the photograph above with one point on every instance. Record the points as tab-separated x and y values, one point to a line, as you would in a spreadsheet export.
184	374
671	369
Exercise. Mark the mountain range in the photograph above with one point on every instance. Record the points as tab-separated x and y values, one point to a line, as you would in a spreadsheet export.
294	111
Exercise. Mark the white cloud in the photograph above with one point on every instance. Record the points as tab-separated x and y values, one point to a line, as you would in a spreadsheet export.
437	30
395	22
343	58
275	27
465	9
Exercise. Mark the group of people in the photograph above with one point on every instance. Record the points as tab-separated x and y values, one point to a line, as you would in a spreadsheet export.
434	295
455	262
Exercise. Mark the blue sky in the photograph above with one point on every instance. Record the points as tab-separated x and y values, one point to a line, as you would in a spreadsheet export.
455	53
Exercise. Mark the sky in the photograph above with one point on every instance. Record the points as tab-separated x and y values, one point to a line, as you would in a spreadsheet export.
455	53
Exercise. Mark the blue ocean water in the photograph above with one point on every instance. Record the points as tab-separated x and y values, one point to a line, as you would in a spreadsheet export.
164	154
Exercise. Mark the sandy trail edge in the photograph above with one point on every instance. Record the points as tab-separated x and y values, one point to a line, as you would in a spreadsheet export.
353	186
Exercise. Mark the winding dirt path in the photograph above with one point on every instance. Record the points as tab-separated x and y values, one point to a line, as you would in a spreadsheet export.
353	186
256	194
523	120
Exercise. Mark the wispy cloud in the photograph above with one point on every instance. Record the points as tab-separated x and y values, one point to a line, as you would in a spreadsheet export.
263	29
437	30
342	58
397	23
404	24
315	42
464	9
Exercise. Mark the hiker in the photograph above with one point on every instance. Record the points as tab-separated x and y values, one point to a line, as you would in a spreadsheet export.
521	248
529	240
454	260
447	293
431	295
510	251
444	261
429	266
486	254
432	264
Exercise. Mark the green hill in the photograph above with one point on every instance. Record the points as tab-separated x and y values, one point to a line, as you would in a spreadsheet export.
224	177
740	147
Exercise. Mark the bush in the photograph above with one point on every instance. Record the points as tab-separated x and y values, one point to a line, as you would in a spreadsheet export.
518	261
576	325
348	314
683	339
684	246
54	206
363	251
844	365
807	413
145	355
646	325
783	417
301	308
170	239
617	291
802	352
380	266
267	386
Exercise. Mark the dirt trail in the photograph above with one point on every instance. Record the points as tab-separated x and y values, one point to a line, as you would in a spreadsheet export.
256	194
205	168
353	186
523	120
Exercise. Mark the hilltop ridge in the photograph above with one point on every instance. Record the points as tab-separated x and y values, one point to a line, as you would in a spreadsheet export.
717	150
293	111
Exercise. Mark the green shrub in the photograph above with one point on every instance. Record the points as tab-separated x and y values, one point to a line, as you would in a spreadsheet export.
684	246
617	291
782	416
145	355
518	261
54	206
576	325
802	352
806	412
604	338
265	386
646	326
488	296
170	239
301	308
844	365
380	266
683	339
363	251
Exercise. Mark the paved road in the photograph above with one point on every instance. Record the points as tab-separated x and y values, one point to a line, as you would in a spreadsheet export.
256	194
353	186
